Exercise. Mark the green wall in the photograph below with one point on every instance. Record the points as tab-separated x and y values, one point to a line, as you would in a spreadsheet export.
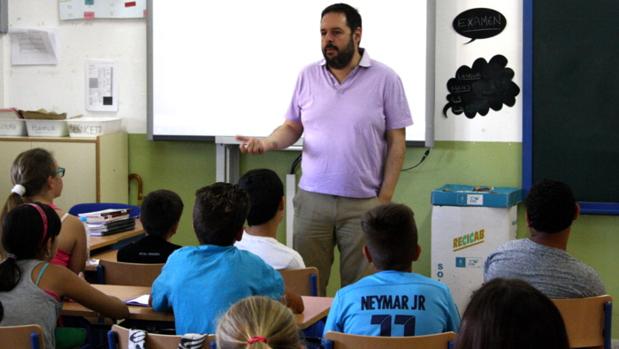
186	166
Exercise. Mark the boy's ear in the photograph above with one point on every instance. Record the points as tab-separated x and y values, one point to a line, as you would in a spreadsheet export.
367	254
172	231
282	203
417	253
239	234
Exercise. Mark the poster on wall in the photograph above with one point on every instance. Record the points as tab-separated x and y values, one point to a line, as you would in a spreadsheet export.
33	47
481	87
93	9
101	86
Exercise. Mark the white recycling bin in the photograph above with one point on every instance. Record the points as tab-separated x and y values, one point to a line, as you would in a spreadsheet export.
468	224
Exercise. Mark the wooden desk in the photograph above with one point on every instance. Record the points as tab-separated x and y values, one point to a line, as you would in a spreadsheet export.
109	255
124	293
316	308
98	242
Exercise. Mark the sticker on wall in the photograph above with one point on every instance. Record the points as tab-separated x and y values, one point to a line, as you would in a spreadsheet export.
479	23
486	85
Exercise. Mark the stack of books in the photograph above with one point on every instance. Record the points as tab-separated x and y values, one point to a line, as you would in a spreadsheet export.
106	222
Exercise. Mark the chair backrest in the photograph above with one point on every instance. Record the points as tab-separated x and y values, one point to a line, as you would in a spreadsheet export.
118	339
338	340
98	206
130	274
303	282
587	320
25	336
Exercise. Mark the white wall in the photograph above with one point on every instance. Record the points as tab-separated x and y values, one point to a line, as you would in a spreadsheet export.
61	88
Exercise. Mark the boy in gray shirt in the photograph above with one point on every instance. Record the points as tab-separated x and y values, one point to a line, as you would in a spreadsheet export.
541	259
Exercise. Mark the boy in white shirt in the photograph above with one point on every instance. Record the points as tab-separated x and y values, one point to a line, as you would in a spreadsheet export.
266	194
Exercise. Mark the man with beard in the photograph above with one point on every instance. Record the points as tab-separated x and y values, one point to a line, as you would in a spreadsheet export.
352	112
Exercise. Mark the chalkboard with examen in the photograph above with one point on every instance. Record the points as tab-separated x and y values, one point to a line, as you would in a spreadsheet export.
575	96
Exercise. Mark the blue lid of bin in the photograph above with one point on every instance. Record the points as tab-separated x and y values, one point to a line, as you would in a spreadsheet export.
468	195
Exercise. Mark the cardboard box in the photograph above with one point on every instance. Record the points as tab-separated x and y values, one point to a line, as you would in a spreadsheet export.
468	195
92	127
462	240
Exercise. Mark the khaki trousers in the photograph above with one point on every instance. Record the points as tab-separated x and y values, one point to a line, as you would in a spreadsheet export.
323	221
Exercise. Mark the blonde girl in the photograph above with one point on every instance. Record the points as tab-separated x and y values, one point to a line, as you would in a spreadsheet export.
258	322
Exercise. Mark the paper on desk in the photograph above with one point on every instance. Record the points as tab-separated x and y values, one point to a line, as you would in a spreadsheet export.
33	47
141	301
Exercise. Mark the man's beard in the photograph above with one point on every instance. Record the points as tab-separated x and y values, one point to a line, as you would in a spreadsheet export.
343	58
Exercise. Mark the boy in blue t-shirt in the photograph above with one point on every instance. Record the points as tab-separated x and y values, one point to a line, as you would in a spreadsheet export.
199	283
394	301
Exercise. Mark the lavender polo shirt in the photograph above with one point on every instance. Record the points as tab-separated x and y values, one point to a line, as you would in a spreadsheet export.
344	125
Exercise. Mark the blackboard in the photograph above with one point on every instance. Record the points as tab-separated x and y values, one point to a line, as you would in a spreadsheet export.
571	98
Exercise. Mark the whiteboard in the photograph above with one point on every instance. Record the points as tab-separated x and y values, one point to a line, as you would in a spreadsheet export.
226	68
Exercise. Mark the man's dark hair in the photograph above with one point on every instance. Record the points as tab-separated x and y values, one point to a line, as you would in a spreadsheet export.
219	213
160	211
551	206
353	18
391	236
511	314
265	191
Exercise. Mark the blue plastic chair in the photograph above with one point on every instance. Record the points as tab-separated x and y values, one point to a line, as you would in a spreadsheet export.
98	206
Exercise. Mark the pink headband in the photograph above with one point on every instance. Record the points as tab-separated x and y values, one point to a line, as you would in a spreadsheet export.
256	339
43	218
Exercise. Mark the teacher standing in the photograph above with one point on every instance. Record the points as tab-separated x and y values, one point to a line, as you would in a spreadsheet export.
352	112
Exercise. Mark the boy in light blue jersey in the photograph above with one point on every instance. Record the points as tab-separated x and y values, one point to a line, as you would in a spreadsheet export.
200	283
394	301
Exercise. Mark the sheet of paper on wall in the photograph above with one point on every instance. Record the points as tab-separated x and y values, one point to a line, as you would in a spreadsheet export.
33	47
93	9
101	86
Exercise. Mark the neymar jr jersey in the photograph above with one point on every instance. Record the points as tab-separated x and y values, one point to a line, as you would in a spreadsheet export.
393	303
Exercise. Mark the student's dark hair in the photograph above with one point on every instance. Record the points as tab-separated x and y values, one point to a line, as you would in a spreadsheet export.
219	213
30	169
551	206
391	236
511	314
24	237
160	211
265	191
353	18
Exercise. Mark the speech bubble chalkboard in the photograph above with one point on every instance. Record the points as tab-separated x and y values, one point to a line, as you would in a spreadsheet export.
479	23
483	86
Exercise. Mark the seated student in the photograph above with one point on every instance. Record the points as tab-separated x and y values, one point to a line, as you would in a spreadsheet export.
258	322
541	259
266	194
511	314
199	283
160	212
37	177
394	301
32	289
